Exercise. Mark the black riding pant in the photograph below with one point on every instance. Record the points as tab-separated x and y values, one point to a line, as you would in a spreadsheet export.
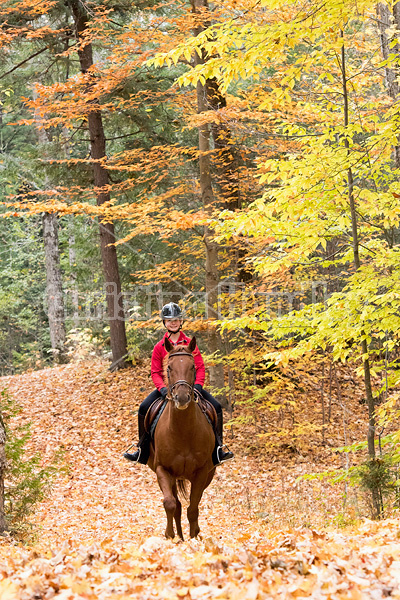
147	402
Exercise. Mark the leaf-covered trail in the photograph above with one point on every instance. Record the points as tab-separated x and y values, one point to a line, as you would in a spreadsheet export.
101	529
89	414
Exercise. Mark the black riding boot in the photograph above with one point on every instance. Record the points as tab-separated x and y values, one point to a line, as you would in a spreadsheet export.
142	453
220	455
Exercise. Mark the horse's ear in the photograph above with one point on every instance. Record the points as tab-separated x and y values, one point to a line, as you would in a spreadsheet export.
192	344
167	344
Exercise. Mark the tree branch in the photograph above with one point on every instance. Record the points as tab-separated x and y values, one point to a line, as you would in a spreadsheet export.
24	61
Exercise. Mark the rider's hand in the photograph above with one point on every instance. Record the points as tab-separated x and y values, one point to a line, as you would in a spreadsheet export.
164	392
198	387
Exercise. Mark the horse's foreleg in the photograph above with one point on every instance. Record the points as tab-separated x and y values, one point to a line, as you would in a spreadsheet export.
166	483
178	513
196	493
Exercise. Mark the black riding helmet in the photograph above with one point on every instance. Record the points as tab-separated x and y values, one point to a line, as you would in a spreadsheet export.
171	311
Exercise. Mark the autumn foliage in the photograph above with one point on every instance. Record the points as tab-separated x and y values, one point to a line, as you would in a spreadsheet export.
246	159
99	533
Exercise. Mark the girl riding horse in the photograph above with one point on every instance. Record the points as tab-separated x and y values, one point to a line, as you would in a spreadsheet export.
172	317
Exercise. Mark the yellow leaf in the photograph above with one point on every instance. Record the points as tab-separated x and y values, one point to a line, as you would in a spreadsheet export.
8	590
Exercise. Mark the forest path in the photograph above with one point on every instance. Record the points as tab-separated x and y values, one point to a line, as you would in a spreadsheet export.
100	531
90	415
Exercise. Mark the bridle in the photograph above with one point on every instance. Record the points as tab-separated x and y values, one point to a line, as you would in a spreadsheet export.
180	381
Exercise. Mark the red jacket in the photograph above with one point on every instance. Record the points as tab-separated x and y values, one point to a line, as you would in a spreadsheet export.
157	358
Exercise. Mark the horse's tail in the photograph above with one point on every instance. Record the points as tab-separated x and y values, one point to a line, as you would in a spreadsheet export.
182	489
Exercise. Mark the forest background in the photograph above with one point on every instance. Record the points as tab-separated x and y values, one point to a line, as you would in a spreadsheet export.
239	158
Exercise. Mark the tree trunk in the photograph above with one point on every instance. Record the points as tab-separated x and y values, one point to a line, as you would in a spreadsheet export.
55	298
216	371
226	161
386	20
226	167
3	466
209	97
357	264
54	287
115	309
73	279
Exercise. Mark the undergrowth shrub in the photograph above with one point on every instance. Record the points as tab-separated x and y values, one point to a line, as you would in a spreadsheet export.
26	481
377	479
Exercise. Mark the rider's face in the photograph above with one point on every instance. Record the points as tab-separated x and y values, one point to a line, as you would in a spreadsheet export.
173	325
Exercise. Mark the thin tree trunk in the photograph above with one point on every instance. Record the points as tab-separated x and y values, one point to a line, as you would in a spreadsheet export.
323	403
115	307
357	264
387	20
216	371
73	279
54	287
55	298
344	421
3	466
330	394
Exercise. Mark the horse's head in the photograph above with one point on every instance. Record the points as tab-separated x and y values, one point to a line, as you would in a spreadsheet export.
181	372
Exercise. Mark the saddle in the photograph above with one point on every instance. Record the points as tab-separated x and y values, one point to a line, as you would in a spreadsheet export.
152	413
155	411
207	408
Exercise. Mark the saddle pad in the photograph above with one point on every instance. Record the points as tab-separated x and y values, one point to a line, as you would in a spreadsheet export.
208	409
205	406
152	413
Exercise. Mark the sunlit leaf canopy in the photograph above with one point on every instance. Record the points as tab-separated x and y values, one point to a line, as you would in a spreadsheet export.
307	106
298	61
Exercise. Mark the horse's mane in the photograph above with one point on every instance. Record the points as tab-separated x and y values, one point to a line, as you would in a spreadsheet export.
165	359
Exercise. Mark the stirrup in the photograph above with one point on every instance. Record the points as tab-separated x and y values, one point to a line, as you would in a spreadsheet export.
220	455
131	456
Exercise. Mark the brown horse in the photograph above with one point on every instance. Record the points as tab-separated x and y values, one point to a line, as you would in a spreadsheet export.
183	442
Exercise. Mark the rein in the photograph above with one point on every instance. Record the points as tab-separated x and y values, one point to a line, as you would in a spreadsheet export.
180	381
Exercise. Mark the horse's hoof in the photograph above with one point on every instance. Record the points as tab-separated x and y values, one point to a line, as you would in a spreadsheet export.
178	540
196	536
